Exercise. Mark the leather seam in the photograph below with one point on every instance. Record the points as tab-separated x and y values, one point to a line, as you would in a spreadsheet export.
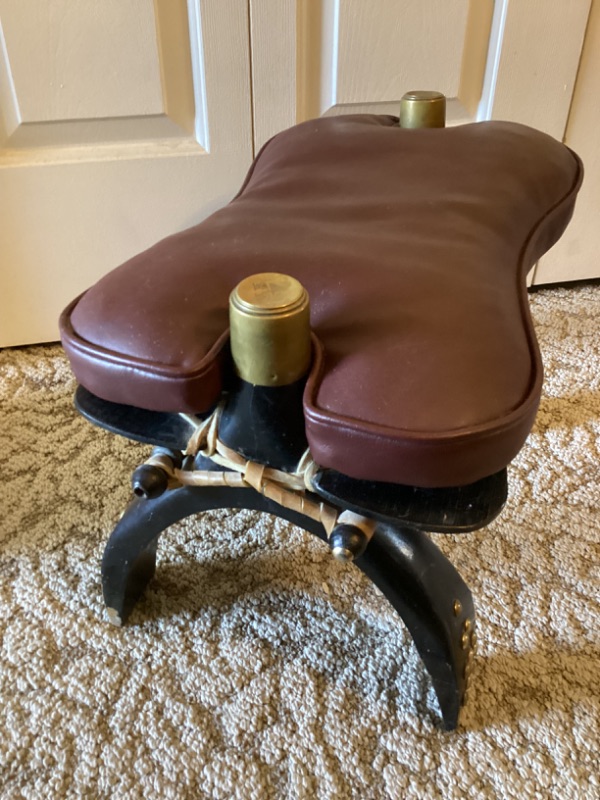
318	416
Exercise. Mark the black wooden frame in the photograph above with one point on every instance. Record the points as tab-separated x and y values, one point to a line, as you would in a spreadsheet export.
417	579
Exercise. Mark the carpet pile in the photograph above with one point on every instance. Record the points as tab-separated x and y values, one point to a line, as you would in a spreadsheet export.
256	666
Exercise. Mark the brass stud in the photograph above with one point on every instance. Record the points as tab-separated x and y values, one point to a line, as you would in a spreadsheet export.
464	641
457	608
467	625
473	640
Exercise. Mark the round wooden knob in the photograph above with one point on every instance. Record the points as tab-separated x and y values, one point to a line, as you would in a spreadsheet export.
347	542
269	320
423	110
149	481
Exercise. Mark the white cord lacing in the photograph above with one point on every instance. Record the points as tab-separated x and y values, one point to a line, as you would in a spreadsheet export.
285	488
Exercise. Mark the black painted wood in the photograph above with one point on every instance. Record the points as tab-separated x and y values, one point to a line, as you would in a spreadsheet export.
265	423
416	578
454	510
149	427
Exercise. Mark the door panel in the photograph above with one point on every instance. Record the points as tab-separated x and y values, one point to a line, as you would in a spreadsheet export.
538	62
371	58
513	60
120	123
345	56
58	53
575	257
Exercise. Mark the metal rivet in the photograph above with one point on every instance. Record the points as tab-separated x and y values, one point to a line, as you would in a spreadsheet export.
467	625
457	608
473	640
464	641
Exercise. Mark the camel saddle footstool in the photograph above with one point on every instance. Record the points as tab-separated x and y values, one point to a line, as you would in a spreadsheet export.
348	345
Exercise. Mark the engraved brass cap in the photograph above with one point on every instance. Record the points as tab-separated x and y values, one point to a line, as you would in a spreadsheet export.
269	320
423	110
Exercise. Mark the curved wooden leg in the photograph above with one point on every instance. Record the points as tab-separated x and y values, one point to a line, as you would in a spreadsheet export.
413	574
434	603
129	559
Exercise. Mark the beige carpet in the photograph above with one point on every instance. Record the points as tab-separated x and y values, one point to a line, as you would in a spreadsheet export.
256	666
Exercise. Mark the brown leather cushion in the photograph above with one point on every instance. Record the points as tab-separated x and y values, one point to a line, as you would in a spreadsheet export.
413	245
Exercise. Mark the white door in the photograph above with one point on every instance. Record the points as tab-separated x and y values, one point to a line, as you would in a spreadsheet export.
577	254
121	122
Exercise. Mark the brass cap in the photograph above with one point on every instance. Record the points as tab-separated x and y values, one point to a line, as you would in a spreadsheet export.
269	320
423	110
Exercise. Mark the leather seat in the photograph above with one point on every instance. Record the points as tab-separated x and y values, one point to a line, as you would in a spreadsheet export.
413	245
